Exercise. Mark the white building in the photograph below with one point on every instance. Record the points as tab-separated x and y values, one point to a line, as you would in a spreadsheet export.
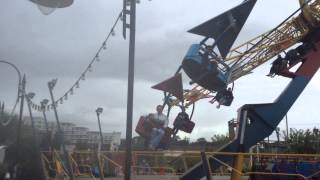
112	140
74	134
67	127
79	135
40	124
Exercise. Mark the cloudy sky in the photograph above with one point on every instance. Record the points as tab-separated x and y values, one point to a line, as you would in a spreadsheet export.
62	44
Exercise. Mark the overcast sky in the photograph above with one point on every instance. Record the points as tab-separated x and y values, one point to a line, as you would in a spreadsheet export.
62	44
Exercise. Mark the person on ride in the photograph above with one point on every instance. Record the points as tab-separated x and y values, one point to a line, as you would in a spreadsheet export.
278	65
158	132
206	56
226	96
293	57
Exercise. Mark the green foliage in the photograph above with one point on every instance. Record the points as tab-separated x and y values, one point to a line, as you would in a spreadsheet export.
304	141
25	154
220	139
8	128
138	143
181	142
201	140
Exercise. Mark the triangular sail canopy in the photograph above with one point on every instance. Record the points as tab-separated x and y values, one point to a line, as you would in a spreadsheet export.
172	85
226	27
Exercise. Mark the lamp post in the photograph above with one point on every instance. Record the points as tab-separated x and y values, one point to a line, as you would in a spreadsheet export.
99	111
287	129
19	76
44	103
51	85
132	27
29	96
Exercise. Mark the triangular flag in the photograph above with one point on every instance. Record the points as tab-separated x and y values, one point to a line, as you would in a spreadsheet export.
172	85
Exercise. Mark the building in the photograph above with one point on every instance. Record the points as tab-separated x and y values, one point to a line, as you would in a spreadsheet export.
111	141
79	135
74	134
67	129
39	124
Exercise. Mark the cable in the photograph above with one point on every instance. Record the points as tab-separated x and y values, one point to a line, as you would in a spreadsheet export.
83	74
192	111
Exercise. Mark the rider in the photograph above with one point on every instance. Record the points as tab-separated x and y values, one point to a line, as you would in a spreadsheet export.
278	65
207	61
158	132
227	96
206	56
223	97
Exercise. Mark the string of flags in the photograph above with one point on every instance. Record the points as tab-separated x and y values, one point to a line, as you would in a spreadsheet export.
82	77
89	68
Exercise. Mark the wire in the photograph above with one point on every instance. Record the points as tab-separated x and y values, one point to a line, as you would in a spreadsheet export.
83	74
192	111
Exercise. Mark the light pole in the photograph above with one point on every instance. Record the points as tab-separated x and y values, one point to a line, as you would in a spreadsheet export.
20	95
29	96
19	76
44	103
99	111
287	129
51	85
132	40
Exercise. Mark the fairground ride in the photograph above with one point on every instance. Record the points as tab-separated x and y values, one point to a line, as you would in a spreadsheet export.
213	66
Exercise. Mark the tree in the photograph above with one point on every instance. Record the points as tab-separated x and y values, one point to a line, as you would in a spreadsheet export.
220	139
26	151
176	139
201	141
303	141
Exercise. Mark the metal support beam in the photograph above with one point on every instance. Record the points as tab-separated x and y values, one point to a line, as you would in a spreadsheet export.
237	165
206	166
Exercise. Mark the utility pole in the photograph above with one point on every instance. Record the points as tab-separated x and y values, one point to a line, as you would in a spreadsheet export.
132	26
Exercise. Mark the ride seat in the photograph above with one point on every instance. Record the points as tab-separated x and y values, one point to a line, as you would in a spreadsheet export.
209	77
144	129
224	97
183	123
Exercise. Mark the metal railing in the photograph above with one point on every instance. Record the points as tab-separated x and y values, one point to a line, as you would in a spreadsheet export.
175	163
